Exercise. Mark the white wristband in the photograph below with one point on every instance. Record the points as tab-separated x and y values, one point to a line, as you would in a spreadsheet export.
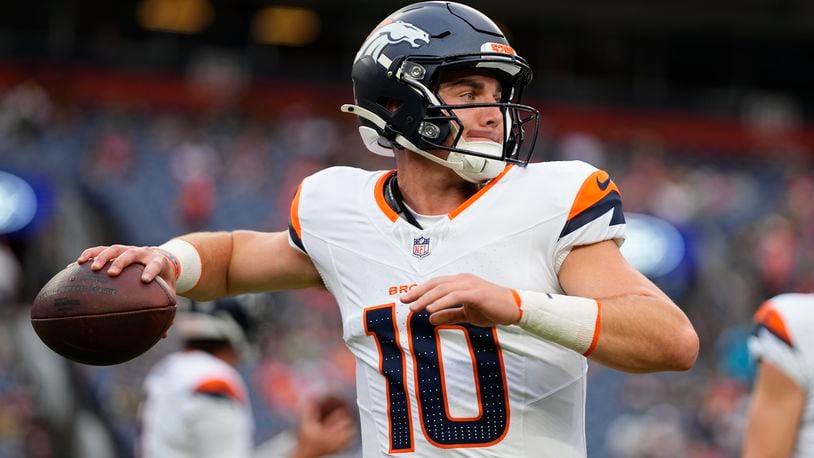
570	321
189	264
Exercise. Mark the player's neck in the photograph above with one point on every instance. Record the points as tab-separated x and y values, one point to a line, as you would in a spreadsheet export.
432	189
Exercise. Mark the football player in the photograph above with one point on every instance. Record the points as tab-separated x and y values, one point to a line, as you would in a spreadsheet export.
781	415
196	404
472	284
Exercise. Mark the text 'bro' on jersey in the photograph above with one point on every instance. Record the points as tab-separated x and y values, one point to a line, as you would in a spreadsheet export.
471	390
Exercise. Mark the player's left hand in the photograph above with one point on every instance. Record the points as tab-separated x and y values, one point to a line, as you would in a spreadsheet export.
464	297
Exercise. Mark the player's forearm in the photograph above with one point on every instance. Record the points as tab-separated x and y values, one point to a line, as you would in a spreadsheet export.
215	252
231	263
645	333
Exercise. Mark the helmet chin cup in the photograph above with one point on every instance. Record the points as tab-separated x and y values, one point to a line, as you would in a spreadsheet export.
476	169
493	150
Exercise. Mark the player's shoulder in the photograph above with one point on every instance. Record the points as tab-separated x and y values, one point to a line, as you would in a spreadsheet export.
211	376
783	336
789	317
569	169
575	168
571	186
339	174
556	174
220	386
333	191
335	187
791	306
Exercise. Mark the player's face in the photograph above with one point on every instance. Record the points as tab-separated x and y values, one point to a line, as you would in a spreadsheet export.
474	86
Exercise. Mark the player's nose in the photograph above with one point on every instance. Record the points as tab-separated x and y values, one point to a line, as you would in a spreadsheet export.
489	123
490	116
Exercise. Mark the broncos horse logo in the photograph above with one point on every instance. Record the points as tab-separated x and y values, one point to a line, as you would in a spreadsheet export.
391	34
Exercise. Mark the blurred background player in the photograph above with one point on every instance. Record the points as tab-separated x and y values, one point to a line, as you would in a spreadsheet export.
196	404
781	415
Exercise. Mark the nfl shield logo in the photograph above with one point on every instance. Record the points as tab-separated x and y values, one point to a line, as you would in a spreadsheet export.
421	247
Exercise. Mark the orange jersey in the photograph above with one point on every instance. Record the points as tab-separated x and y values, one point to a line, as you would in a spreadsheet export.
461	390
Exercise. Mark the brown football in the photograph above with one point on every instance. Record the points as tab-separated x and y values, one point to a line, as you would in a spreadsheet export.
91	318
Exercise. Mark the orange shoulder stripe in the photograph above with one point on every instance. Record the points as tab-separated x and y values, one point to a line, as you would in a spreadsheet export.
379	191
768	316
219	386
295	212
594	188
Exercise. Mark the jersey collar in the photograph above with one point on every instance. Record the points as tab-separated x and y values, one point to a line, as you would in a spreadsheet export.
393	216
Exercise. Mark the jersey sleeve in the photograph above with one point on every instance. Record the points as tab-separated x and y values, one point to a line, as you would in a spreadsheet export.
221	387
322	206
294	225
773	343
595	215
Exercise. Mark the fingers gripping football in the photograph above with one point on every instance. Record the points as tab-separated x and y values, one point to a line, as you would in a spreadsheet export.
463	297
121	256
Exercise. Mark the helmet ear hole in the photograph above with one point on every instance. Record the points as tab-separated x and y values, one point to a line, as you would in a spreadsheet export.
392	105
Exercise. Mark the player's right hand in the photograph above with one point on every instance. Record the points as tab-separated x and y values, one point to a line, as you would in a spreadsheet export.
464	297
121	256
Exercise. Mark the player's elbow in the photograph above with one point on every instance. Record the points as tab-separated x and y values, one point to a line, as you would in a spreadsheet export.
683	350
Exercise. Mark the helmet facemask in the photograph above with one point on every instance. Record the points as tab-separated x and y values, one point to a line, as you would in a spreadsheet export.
481	159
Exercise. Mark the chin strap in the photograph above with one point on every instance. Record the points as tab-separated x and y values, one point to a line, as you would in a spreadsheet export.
394	199
474	169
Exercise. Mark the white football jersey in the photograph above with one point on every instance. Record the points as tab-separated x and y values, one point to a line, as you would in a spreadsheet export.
196	406
457	390
784	337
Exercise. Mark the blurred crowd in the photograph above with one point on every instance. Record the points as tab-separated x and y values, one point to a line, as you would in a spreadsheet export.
140	176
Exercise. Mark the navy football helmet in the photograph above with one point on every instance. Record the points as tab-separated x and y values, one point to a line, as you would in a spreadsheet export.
396	75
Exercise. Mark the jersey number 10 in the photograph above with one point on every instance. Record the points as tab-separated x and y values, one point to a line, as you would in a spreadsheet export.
439	427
